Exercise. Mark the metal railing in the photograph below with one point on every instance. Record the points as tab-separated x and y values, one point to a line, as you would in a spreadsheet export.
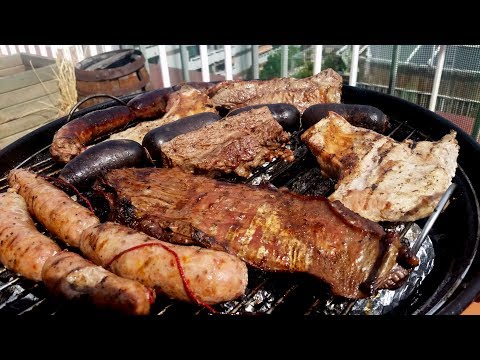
432	99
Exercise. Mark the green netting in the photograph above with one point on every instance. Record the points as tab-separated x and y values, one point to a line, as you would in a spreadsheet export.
459	94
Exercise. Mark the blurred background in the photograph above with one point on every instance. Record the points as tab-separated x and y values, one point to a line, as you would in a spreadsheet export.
442	78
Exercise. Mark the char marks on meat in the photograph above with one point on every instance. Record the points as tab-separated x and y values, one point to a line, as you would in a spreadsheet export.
184	102
379	178
235	144
324	87
268	228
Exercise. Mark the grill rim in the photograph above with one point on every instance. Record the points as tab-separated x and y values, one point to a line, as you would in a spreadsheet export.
461	297
436	126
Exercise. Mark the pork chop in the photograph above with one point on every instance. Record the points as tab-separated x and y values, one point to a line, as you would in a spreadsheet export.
379	178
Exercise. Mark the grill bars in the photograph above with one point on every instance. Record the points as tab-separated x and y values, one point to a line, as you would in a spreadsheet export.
266	293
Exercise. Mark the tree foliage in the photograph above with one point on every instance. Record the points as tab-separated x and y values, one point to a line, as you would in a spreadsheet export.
304	71
335	62
272	67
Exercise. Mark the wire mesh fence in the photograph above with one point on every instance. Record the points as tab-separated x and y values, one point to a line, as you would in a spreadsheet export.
406	71
414	68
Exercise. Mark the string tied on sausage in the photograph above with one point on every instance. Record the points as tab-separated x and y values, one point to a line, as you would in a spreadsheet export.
186	286
56	181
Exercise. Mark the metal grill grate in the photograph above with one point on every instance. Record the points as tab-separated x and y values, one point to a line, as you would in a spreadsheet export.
266	293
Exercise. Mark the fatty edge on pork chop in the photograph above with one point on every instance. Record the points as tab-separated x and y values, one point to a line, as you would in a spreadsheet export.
379	178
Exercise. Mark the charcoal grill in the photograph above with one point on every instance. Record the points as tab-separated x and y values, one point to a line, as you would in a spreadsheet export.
451	286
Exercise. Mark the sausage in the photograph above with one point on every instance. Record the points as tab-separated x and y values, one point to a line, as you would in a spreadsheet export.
69	275
111	154
61	215
287	115
150	104
156	137
71	139
365	116
213	276
23	249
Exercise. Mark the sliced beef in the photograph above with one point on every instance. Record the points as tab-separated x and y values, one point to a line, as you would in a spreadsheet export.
235	144
270	229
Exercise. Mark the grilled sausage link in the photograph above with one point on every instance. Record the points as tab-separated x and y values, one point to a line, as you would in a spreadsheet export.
69	275
23	249
61	215
212	276
71	138
150	105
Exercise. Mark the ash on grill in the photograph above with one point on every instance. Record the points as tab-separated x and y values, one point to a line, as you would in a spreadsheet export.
266	292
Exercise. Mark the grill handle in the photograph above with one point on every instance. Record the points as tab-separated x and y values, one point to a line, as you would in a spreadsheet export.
91	97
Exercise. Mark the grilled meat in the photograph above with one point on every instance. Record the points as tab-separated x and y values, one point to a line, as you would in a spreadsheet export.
237	143
270	229
73	137
184	102
324	87
379	178
23	249
62	216
211	276
69	275
33	255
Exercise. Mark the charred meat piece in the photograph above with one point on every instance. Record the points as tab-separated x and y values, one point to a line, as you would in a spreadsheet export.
270	229
155	138
235	144
379	178
73	137
111	154
151	104
184	102
366	116
325	87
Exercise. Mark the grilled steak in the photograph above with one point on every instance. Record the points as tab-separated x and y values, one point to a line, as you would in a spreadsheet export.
237	143
324	87
184	102
268	228
379	178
